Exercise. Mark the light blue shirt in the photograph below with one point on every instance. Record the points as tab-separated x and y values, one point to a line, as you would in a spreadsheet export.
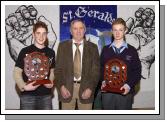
124	45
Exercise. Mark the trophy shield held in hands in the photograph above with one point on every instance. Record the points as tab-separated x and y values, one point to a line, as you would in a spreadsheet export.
115	75
36	68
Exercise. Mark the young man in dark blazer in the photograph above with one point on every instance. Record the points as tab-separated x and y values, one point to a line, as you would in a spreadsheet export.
77	69
120	49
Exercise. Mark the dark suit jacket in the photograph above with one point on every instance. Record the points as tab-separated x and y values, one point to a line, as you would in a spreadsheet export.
90	69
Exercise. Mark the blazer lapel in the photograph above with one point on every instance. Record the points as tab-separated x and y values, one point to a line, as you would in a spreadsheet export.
70	55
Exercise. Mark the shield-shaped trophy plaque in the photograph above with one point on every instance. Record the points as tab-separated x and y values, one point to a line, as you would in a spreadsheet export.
36	68
115	75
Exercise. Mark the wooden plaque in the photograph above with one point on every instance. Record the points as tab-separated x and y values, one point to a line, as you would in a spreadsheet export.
115	75
36	68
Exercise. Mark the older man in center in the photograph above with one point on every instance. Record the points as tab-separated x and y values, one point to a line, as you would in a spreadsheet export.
77	69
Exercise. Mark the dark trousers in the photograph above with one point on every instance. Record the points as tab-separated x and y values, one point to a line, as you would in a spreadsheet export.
112	101
29	102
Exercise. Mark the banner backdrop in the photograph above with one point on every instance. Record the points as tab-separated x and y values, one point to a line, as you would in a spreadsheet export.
98	20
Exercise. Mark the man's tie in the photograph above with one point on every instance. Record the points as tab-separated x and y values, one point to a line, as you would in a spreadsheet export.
77	62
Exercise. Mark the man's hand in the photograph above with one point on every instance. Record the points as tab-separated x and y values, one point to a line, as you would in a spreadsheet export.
64	92
86	94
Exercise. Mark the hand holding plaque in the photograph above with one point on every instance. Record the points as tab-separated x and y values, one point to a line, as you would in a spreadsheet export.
115	75
36	68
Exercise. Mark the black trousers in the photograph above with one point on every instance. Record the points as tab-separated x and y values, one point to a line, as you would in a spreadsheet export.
113	101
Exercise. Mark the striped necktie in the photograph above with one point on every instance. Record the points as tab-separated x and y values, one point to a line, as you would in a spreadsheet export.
117	50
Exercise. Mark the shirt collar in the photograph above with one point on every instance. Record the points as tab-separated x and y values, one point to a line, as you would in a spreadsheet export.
124	44
73	41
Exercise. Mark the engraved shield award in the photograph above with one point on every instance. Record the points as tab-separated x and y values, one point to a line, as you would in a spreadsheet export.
115	75
36	68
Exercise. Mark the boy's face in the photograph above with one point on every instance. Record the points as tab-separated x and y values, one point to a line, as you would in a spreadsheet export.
118	31
40	36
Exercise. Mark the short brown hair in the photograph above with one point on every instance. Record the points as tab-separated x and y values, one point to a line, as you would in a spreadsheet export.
40	24
119	21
